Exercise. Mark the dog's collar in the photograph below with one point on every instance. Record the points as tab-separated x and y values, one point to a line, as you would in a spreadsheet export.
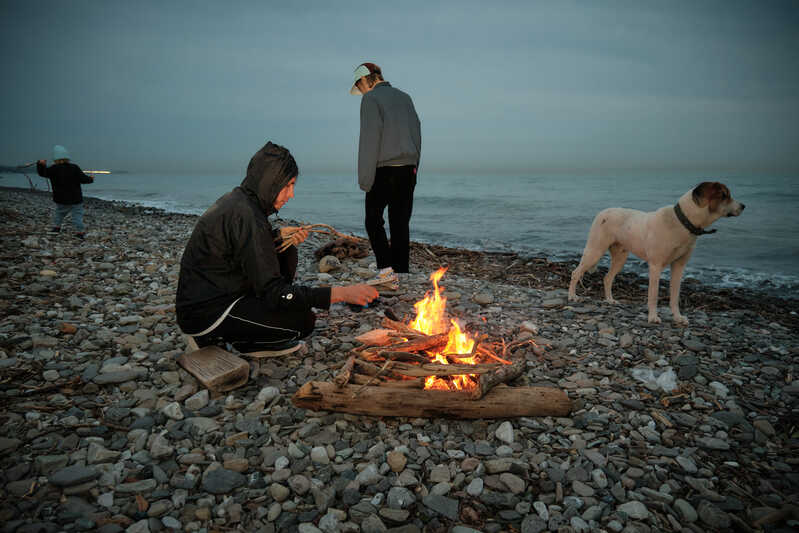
687	223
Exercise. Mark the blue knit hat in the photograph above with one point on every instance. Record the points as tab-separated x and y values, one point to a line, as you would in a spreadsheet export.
59	152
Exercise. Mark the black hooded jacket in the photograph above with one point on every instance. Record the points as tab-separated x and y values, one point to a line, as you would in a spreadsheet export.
66	179
231	252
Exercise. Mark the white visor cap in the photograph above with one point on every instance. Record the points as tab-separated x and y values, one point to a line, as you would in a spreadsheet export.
359	73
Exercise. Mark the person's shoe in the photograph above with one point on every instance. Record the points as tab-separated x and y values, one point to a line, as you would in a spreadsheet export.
280	350
81	235
385	281
54	230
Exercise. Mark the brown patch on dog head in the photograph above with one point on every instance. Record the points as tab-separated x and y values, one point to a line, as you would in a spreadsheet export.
711	194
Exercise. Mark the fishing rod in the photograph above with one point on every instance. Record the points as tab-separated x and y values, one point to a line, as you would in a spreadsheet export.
84	171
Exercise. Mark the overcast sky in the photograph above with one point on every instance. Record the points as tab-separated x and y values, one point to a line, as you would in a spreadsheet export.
520	87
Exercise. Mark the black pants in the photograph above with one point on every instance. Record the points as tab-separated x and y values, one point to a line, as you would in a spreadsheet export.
251	326
393	187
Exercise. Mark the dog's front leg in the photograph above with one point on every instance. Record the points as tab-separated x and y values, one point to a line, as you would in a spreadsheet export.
677	268
652	300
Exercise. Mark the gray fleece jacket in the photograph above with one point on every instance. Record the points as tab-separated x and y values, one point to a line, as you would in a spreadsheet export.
391	133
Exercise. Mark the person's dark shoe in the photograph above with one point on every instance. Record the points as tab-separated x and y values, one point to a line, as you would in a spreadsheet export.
280	350
54	230
81	235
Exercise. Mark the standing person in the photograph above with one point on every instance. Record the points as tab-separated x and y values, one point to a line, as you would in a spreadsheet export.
66	179
388	157
234	287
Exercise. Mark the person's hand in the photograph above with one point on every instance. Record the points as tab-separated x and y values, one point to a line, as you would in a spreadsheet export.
360	294
293	234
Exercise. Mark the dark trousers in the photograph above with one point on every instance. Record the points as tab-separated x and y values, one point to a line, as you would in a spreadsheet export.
393	188
252	326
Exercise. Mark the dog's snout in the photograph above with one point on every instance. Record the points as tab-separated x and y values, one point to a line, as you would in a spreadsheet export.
743	206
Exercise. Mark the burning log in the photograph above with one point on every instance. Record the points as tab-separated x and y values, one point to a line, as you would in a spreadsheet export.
373	370
499	402
438	369
503	374
418	344
400	327
404	356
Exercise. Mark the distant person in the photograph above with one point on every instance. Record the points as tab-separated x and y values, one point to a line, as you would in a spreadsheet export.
234	286
66	178
388	157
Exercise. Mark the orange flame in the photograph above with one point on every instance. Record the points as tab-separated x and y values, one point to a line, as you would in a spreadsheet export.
431	319
430	312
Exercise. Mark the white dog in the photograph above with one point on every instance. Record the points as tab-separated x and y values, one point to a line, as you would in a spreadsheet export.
663	237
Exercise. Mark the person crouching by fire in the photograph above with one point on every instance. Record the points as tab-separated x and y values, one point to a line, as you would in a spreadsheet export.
66	178
234	286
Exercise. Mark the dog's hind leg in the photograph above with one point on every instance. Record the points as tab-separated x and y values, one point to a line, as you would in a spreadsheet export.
652	298
618	256
677	268
591	257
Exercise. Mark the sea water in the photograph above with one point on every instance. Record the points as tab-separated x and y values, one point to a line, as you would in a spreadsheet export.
531	214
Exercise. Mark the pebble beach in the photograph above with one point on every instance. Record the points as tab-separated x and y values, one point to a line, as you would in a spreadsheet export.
689	429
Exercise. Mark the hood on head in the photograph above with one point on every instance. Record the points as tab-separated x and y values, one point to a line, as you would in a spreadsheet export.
59	152
270	169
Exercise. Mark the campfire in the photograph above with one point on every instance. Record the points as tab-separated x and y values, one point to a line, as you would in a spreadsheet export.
460	348
428	367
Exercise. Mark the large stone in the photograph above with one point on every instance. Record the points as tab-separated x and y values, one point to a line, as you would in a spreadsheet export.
635	510
73	475
319	455
98	454
505	432
279	492
329	263
197	401
396	461
400	498
145	485
534	524
712	516
369	476
160	447
686	510
222	481
442	505
712	443
373	524
122	376
299	484
201	425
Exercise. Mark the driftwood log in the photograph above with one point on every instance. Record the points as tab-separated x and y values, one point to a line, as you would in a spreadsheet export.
502	374
360	379
343	375
499	402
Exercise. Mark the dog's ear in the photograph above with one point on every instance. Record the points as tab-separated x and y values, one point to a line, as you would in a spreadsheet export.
700	193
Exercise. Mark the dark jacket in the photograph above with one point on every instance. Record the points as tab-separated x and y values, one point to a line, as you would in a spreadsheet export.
66	179
231	252
391	134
